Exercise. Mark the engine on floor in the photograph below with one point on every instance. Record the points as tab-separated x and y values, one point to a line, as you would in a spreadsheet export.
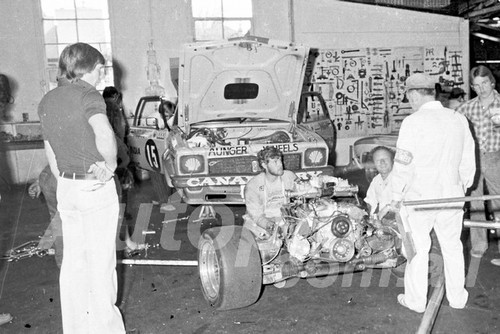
315	233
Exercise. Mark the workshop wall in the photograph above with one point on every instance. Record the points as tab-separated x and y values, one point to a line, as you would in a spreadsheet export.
361	56
364	89
135	23
21	56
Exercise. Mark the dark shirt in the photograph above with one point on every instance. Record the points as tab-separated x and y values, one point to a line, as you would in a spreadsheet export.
64	114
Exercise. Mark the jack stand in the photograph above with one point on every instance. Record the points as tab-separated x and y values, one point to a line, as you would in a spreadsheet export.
207	212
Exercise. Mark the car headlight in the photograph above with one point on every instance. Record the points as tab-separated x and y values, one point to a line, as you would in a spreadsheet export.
315	157
190	164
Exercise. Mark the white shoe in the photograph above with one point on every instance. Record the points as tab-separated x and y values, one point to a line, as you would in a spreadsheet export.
462	304
457	307
477	254
166	207
5	318
495	262
401	301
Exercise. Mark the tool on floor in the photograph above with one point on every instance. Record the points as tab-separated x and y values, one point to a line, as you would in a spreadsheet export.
28	249
5	318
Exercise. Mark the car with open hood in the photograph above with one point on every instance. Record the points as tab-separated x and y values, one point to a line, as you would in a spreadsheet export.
235	98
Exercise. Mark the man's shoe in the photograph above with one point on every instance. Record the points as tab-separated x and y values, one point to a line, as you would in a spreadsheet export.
401	301
5	318
133	331
495	262
457	307
477	254
166	207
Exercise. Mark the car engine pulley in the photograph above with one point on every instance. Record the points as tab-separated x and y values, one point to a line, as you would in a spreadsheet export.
341	226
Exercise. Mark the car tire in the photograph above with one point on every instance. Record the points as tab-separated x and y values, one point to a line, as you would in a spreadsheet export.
230	267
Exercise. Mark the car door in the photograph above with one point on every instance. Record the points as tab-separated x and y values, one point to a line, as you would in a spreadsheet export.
146	140
318	120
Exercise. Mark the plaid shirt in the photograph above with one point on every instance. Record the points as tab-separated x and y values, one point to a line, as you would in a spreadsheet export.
485	132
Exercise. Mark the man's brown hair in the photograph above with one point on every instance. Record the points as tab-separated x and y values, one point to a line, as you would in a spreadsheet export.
78	59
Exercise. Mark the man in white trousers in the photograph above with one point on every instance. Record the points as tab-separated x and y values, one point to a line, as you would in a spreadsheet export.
81	149
434	159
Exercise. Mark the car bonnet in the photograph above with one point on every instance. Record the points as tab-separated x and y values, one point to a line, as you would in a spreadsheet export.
245	77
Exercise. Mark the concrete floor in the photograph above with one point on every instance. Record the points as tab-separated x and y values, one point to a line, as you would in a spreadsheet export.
160	299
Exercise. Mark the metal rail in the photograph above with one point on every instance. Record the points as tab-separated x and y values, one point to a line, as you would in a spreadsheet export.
188	263
482	224
451	200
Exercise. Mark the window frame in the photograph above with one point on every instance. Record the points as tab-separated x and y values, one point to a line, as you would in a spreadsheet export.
222	19
105	47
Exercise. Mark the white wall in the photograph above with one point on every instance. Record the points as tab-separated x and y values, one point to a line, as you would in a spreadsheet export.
334	24
21	55
133	25
272	19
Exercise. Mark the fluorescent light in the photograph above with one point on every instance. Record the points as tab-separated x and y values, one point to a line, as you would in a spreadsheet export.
488	37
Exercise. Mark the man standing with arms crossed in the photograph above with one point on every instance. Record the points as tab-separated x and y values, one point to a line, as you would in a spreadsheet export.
434	159
81	149
480	111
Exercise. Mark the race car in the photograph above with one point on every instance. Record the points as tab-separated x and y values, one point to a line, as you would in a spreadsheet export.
235	98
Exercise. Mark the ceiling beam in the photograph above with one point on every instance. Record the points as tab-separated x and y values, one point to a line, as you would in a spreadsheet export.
468	6
485	11
488	37
486	26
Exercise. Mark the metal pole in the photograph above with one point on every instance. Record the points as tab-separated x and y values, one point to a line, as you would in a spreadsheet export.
451	200
481	224
189	263
432	308
291	20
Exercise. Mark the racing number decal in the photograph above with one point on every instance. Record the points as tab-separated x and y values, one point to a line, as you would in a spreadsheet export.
152	155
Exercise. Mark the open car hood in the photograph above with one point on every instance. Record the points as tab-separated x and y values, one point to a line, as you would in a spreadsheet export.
247	77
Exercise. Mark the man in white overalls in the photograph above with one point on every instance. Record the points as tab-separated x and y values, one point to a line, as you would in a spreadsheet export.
434	159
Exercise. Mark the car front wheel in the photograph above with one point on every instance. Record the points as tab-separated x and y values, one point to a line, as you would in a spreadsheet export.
230	267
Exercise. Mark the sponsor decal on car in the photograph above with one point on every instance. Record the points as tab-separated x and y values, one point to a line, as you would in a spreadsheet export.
152	154
161	134
227	151
285	147
218	181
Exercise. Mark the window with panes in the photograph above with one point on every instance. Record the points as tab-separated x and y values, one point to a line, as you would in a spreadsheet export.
221	19
69	21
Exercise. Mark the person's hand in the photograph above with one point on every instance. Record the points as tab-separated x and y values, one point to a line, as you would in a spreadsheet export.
393	207
385	210
265	227
101	171
328	179
270	225
34	189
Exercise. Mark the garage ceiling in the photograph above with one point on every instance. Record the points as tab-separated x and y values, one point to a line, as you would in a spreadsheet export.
484	15
475	10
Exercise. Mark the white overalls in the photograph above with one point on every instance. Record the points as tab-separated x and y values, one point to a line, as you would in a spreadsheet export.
434	159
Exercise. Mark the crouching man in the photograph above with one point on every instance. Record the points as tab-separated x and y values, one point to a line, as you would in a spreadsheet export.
266	192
